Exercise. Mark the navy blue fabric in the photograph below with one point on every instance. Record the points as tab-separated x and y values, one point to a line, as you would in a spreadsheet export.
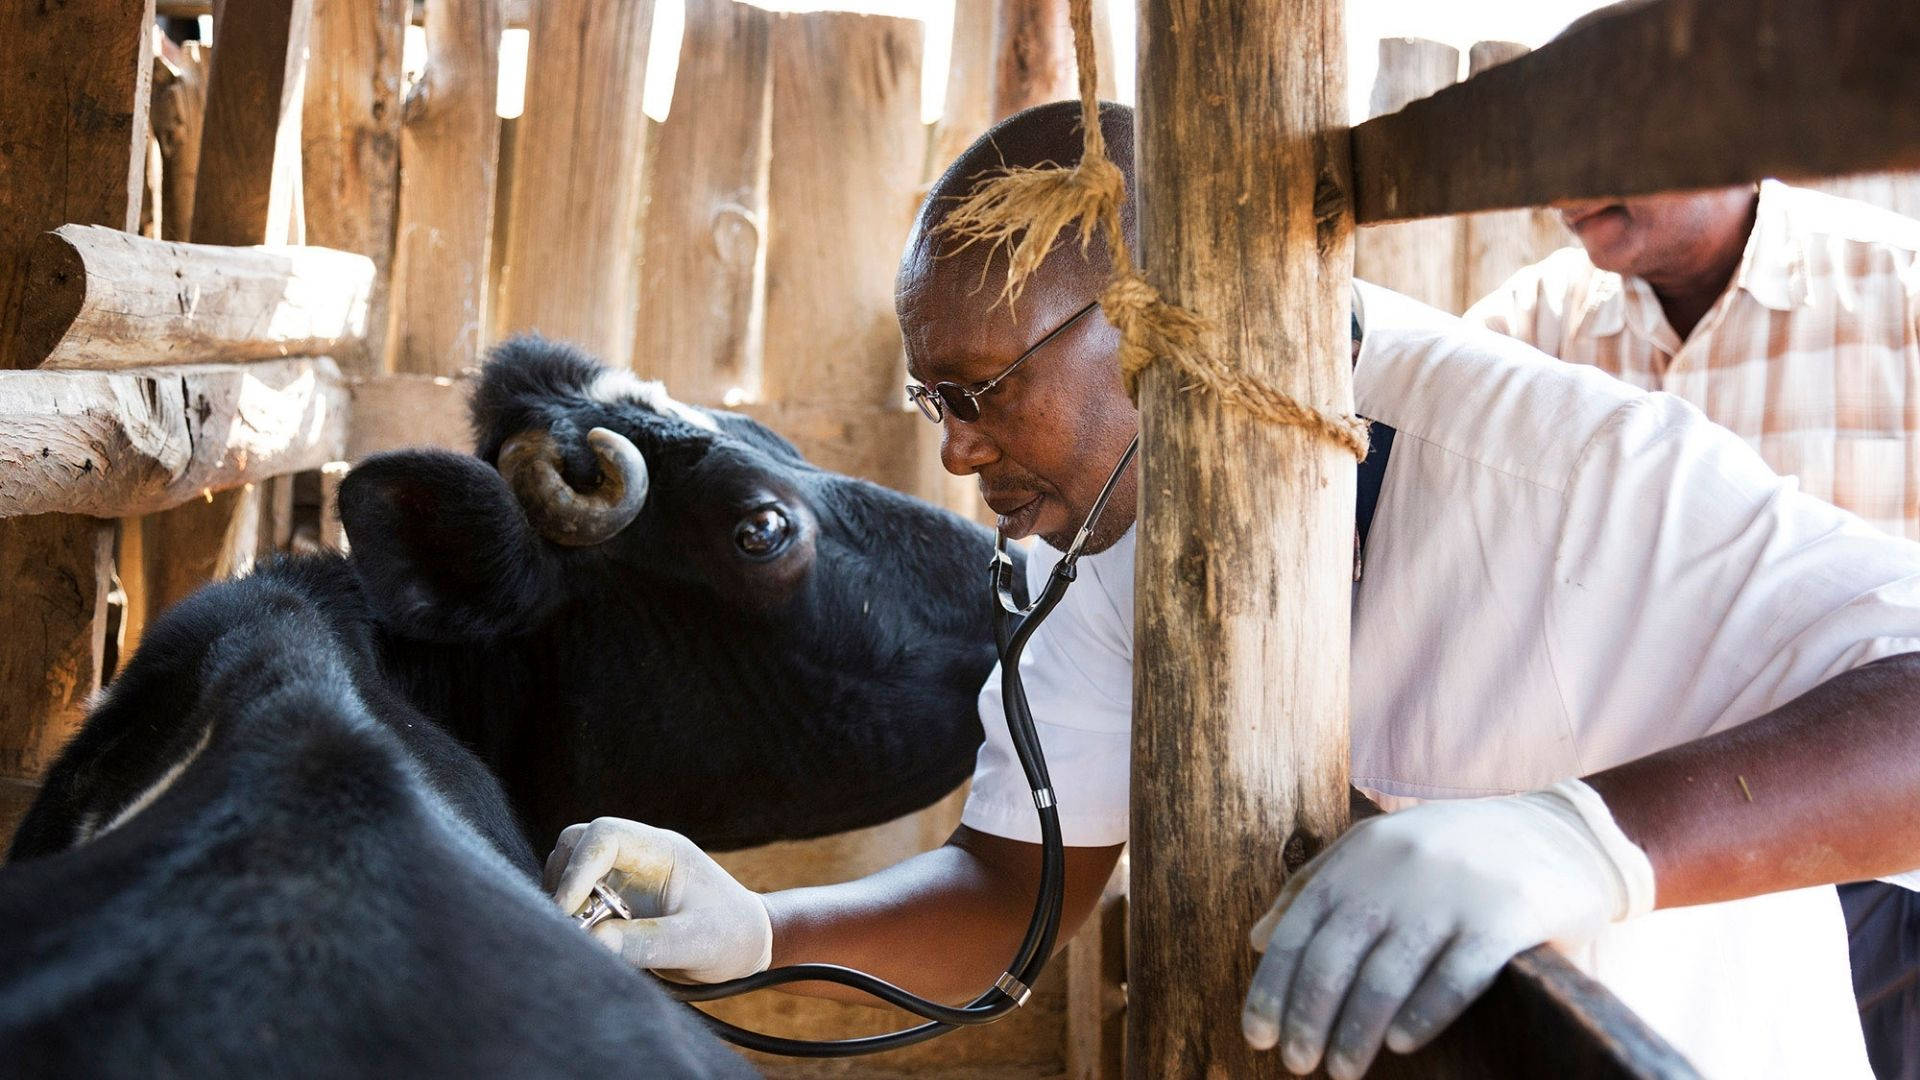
1883	936
1372	474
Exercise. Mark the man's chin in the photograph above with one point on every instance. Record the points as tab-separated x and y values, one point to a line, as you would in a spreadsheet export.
1106	533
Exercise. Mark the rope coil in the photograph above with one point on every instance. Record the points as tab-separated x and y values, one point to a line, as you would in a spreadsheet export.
1026	209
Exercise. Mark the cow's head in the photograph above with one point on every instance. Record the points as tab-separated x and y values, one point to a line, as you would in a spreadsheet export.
663	612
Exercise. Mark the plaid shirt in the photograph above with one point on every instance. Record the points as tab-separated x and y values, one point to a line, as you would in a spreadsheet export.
1812	355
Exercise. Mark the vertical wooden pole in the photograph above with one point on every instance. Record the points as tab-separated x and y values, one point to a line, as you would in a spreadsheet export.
247	191
350	144
1496	243
179	114
73	120
967	109
1033	55
1420	259
1245	547
573	225
450	153
703	282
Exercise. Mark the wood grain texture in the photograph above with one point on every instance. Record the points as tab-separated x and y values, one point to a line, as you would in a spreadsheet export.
179	115
966	110
1418	258
1032	55
55	570
248	187
450	147
350	147
573	224
702	316
1245	540
109	299
1708	92
393	412
111	443
839	208
73	124
1496	243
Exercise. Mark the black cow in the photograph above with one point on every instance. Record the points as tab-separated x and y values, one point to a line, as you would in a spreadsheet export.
270	848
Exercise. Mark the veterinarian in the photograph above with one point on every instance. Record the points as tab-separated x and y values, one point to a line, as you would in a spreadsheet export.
1624	688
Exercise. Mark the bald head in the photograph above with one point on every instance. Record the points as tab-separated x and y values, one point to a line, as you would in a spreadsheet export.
1048	432
1044	134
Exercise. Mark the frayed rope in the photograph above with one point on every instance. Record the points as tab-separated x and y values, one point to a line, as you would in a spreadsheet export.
1025	210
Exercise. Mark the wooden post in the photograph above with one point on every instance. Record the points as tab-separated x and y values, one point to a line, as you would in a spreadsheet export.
450	147
1495	243
350	146
1245	553
838	214
179	115
1033	55
967	108
573	224
1418	258
702	299
247	191
74	121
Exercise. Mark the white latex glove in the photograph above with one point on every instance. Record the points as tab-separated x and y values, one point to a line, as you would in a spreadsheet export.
1399	925
692	921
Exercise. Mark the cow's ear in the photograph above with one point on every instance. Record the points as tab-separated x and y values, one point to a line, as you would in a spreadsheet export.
443	550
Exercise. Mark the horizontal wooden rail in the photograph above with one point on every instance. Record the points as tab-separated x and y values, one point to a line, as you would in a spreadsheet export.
103	298
1661	96
117	443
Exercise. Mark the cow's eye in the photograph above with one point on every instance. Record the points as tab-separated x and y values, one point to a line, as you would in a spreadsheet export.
763	533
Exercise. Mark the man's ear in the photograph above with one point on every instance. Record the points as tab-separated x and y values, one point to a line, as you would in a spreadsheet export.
442	550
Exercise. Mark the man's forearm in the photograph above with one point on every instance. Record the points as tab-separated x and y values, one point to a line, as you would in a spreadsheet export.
1820	790
942	924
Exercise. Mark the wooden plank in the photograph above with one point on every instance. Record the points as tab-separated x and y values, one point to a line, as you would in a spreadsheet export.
839	208
249	179
179	115
75	122
1096	963
55	571
392	412
109	299
111	443
572	237
702	312
451	149
350	147
1033	55
1495	243
966	110
1245	534
1418	258
1718	91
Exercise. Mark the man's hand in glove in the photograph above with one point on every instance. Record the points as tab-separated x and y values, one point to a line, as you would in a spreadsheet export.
693	922
1399	925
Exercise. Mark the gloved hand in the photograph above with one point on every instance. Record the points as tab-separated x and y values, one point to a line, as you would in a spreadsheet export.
1399	925
692	921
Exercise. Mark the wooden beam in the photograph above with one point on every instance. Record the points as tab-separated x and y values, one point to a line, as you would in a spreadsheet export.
73	121
109	299
966	111
451	149
112	443
248	189
1033	55
1420	259
573	225
393	412
1706	92
1245	542
350	148
179	116
702	315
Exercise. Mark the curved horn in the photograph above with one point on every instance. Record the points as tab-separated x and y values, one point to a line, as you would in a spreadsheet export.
530	464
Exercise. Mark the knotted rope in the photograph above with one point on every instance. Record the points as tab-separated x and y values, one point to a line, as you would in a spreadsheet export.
1026	209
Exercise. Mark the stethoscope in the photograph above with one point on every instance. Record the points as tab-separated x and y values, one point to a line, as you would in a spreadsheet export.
1014	625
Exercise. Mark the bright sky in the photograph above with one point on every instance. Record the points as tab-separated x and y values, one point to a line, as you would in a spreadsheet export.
1459	23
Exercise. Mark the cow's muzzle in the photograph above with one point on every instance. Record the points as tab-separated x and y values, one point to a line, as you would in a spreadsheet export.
530	463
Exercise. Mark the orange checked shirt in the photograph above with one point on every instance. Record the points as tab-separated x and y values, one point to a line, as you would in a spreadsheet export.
1812	355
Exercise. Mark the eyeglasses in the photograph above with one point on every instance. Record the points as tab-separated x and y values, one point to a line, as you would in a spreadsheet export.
963	402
